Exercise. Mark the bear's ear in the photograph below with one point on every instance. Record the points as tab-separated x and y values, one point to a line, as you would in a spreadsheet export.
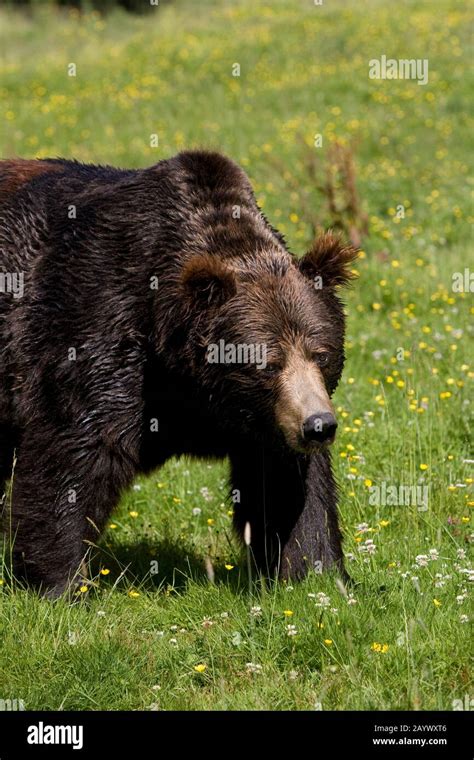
207	280
330	259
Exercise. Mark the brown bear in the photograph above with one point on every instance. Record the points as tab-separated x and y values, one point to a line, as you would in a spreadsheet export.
146	314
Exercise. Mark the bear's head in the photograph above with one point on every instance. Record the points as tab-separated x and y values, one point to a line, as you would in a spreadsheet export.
266	339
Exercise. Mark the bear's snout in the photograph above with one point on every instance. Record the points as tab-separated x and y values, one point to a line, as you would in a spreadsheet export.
304	411
320	428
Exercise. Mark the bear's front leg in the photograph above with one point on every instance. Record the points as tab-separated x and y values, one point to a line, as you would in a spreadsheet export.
62	493
290	502
315	540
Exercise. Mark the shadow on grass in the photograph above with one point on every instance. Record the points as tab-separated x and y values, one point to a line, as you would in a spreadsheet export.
156	566
149	565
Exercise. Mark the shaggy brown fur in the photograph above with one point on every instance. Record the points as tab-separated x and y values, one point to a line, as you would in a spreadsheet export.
19	171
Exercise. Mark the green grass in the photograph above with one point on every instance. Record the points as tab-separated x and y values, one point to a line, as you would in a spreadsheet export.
133	640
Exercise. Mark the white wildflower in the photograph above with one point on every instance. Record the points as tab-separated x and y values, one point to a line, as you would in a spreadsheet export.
368	547
422	560
322	600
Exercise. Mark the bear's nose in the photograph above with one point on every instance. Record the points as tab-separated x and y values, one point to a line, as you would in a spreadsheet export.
319	427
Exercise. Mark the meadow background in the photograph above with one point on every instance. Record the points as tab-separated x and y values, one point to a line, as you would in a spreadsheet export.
170	639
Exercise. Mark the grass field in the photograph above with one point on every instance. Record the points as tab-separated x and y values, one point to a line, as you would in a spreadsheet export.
152	632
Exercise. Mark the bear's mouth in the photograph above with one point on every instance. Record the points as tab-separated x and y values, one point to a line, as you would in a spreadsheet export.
296	441
311	447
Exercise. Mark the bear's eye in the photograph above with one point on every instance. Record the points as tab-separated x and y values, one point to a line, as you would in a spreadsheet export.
272	369
322	358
